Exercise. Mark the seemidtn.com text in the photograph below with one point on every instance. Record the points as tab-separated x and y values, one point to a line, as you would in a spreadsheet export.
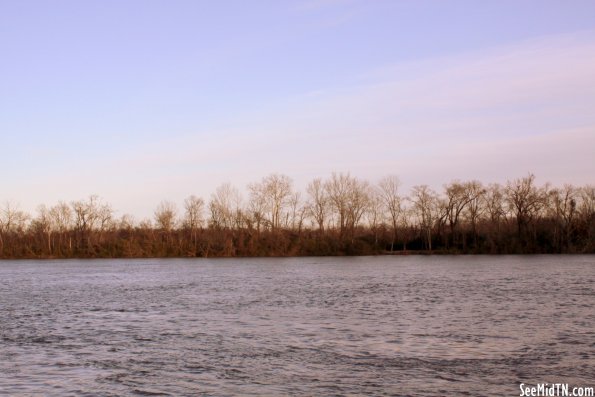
555	389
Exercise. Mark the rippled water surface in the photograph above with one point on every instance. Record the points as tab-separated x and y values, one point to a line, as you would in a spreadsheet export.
423	326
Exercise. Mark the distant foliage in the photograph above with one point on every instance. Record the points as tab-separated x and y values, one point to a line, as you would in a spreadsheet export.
343	215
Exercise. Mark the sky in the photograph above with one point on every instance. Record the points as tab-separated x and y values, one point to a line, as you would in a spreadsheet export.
141	101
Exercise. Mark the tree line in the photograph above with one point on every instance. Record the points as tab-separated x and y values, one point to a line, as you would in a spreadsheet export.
341	215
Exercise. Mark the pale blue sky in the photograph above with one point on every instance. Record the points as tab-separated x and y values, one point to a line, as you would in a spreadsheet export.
140	101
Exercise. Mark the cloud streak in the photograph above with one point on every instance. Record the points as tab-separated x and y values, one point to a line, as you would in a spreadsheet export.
488	115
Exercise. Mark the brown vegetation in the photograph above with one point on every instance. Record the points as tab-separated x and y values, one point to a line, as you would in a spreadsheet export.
343	215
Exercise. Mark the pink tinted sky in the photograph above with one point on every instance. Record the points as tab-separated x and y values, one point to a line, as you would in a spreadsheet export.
143	101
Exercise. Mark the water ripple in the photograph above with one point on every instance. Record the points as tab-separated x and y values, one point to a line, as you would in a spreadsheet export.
417	326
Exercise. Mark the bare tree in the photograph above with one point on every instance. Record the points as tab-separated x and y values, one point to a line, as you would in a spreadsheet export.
587	194
44	224
62	218
105	221
456	200
105	216
348	197
587	207
126	222
562	208
425	205
318	202
225	207
406	222
193	212
374	214
145	224
85	213
357	203
165	216
389	194
257	210
525	200
297	212
90	215
338	191
474	191
587	214
351	216
12	221
275	192
193	216
494	203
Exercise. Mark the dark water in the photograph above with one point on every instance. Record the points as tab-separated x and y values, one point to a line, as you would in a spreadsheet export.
418	326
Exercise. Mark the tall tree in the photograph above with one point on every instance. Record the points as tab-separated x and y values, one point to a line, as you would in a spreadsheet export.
474	191
12	222
338	189
562	208
226	207
425	205
62	218
357	203
318	202
275	192
389	194
455	202
165	216
89	215
525	200
193	217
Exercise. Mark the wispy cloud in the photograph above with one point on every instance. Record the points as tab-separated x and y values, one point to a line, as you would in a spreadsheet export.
489	115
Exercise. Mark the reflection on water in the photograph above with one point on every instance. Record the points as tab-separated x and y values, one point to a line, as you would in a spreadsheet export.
426	326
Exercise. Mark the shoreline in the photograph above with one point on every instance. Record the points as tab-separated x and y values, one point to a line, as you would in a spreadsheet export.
396	253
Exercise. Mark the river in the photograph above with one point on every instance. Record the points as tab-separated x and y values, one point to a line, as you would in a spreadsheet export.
402	325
